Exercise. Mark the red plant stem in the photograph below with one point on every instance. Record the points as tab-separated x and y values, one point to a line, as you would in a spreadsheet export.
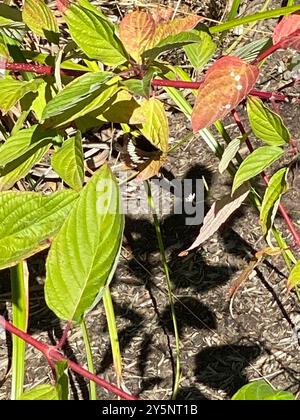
64	336
179	84
52	354
281	208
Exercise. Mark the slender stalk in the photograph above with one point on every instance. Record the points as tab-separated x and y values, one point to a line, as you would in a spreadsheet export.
52	354
253	18
19	291
89	357
113	334
169	287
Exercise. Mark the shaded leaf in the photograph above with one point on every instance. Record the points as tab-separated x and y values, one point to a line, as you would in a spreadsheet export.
62	380
9	15
136	31
28	220
94	35
84	254
255	163
227	83
294	277
11	91
276	188
39	18
218	214
261	391
266	124
151	168
68	162
40	392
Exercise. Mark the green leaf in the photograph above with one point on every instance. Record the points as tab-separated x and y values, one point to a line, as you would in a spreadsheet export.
39	18
74	98
277	186
250	51
156	126
294	277
68	162
261	391
172	42
20	167
94	35
266	125
62	380
45	93
83	256
11	91
229	154
255	163
9	15
142	87
28	220
40	392
201	52
23	142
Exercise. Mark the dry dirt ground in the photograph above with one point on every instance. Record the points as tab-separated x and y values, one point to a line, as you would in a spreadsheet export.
220	351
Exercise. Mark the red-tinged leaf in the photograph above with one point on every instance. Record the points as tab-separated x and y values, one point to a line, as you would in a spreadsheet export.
136	31
62	5
217	215
174	27
161	14
288	32
226	84
151	168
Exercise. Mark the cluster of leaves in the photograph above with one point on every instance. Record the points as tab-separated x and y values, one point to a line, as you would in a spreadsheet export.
49	115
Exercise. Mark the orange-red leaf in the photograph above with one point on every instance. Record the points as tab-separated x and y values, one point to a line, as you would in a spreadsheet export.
161	14
137	30
174	27
226	84
288	32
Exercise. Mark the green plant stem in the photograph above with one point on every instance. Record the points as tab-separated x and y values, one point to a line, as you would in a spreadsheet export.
169	287
234	10
89	358
19	291
113	334
253	18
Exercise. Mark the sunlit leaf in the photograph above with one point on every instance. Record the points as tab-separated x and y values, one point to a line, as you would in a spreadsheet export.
12	90
255	163
287	32
39	18
201	52
28	221
68	162
84	254
175	27
266	124
250	51
62	380
9	15
294	277
40	392
229	153
276	188
94	35
227	83
261	391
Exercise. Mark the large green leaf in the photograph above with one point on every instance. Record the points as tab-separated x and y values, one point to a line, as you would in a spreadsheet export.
9	15
261	391
11	91
199	53
68	162
39	18
266	125
172	42
20	167
94	35
28	220
74	98
41	392
277	186
83	256
23	142
294	277
255	163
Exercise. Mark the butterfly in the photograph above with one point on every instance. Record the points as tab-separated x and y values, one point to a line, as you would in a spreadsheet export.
137	152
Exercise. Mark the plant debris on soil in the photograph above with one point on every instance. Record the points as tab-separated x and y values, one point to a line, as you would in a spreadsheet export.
221	349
